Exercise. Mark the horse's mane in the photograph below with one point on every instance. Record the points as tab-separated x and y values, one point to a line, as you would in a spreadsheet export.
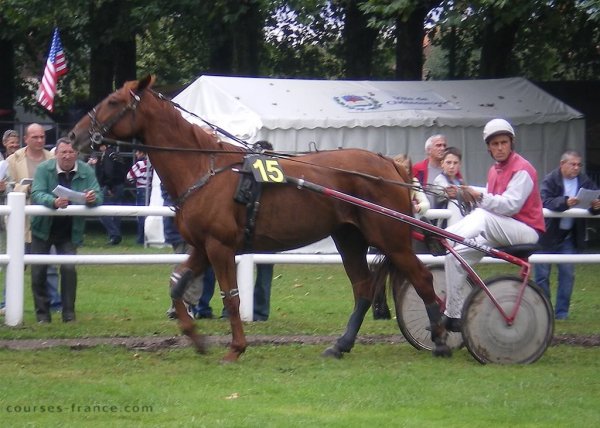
199	133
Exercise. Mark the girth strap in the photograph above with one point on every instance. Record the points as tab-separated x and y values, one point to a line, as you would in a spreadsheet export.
248	192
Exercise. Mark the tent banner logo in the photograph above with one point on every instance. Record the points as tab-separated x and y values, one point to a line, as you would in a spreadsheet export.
388	101
358	102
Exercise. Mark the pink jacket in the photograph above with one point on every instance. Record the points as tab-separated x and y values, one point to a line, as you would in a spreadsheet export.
500	175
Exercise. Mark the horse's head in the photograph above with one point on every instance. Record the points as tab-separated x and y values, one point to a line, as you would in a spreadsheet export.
113	117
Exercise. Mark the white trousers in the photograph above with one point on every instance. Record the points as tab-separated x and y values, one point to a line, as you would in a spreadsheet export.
485	228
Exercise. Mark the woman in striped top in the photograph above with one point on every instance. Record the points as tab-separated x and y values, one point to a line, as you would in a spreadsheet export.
140	174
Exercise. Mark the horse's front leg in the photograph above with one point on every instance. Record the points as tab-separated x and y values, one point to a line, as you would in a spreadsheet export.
231	302
223	263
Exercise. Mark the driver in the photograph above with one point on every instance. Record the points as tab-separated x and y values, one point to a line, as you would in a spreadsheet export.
509	212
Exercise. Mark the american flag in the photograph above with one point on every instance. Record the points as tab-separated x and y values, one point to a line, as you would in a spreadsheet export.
56	66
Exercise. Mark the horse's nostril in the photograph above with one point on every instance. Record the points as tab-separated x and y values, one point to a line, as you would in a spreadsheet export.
71	136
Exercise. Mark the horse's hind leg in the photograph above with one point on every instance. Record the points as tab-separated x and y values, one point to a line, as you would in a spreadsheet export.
422	280
353	249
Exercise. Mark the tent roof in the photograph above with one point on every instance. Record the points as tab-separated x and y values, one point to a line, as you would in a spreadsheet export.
239	104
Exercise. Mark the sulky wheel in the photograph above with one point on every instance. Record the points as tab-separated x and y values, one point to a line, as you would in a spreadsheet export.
412	317
488	336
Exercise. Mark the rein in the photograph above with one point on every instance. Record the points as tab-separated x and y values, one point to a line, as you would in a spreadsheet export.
214	127
218	129
98	130
145	148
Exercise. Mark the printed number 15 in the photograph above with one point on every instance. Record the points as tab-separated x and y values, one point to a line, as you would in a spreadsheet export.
269	170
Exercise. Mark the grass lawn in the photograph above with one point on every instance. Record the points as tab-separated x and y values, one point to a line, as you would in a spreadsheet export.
272	386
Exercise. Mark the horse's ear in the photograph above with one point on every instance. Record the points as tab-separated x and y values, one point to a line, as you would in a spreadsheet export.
146	82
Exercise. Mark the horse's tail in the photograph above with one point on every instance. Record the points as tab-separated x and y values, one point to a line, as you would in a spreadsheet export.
402	172
407	179
384	272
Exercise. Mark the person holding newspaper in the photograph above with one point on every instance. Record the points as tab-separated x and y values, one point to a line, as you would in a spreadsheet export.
562	189
75	183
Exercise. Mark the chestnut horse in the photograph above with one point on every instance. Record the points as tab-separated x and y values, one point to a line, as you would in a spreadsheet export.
201	174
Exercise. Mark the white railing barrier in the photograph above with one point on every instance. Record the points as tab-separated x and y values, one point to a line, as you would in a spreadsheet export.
15	259
15	268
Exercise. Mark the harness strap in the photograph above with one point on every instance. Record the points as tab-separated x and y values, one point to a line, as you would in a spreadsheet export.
251	214
178	203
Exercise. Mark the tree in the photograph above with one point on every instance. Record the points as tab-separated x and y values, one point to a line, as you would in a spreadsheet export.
7	77
541	40
410	32
358	41
408	19
109	41
303	40
112	33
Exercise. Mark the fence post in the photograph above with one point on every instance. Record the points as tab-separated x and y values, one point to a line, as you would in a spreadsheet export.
15	246
245	283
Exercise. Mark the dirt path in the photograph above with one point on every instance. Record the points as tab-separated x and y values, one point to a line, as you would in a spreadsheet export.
154	343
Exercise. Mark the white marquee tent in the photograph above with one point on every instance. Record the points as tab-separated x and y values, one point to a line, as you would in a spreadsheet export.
389	117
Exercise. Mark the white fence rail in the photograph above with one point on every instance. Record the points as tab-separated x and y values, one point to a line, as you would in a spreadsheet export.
15	259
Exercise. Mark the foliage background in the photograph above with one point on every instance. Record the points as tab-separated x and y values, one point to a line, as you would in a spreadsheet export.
110	41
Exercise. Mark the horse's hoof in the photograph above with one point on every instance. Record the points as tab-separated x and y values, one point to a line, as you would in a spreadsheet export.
231	357
442	351
201	347
332	351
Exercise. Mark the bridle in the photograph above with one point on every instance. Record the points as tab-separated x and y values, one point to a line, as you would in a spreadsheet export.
98	130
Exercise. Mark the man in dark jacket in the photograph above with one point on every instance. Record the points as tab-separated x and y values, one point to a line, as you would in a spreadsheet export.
111	171
563	235
64	232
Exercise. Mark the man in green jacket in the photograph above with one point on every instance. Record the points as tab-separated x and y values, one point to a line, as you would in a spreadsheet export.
64	232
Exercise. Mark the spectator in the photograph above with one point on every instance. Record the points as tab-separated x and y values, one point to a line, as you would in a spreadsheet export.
64	232
22	165
563	235
429	168
141	175
200	292
262	292
446	186
10	141
418	197
509	213
111	171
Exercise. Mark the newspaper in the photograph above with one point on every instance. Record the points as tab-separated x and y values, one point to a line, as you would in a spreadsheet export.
71	195
586	197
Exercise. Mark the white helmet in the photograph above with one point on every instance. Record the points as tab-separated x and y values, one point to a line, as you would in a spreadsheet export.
497	126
